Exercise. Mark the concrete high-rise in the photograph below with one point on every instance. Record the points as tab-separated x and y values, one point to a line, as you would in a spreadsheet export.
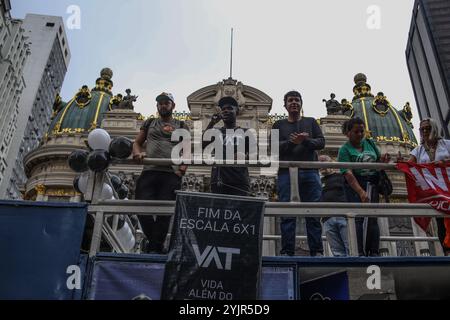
13	55
44	74
428	59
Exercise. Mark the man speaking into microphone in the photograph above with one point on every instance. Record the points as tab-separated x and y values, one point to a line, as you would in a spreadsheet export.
230	180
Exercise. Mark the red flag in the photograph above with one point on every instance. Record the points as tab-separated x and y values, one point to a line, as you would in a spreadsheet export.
428	183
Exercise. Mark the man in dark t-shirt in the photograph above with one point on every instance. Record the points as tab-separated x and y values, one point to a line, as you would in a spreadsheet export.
230	180
300	139
158	182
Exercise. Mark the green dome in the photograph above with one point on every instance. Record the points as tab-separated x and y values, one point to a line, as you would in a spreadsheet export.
86	110
383	121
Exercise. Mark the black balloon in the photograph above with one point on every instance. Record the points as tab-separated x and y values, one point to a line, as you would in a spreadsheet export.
98	160
78	160
122	192
116	182
121	222
75	184
121	147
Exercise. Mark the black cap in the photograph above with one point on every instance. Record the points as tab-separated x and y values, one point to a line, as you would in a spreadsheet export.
228	100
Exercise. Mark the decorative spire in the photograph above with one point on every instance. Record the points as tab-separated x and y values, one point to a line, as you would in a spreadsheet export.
104	83
362	88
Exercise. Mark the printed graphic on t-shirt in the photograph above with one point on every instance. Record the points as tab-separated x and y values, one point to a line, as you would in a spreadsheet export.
365	156
168	128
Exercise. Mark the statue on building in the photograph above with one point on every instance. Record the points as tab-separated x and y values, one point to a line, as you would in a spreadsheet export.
333	106
127	102
57	105
407	114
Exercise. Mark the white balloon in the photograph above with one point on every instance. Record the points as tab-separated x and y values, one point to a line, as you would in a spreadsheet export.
99	139
83	182
107	192
126	237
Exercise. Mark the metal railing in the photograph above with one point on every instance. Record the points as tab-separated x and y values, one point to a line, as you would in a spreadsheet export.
277	209
265	163
99	208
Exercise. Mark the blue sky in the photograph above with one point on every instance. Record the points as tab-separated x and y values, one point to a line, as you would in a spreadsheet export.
181	46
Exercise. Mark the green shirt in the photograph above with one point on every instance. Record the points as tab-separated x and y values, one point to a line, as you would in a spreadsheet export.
370	153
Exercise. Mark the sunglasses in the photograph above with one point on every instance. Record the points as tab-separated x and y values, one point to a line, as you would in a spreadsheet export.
425	129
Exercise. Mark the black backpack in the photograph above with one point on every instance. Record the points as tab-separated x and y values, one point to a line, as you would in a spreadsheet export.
384	183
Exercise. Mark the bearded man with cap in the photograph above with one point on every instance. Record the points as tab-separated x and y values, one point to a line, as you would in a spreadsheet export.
158	182
300	139
229	180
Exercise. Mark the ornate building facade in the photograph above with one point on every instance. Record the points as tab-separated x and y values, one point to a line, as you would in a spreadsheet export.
51	179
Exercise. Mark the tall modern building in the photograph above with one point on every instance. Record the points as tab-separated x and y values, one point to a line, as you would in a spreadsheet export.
428	59
44	74
13	55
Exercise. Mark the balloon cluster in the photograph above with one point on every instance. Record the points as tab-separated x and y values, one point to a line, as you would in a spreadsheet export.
120	187
103	149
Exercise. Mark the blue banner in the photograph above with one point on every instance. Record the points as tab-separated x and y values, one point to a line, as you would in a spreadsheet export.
125	279
40	250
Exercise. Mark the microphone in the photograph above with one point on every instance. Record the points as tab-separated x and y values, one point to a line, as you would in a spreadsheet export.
217	117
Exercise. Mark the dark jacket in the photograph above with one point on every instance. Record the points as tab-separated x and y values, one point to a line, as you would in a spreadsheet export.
305	151
333	189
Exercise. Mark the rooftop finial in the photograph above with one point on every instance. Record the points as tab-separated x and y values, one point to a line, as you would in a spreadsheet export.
106	74
104	83
362	88
360	78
